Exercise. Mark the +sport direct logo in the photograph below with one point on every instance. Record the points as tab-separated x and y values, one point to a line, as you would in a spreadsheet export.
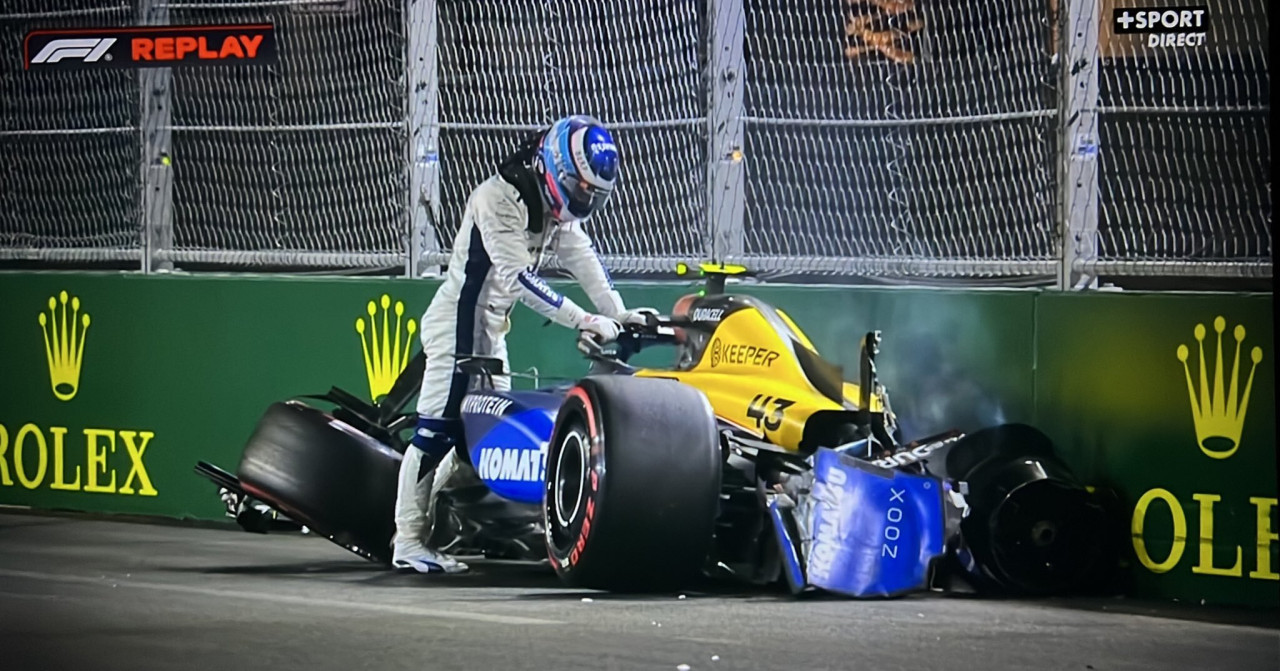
1182	26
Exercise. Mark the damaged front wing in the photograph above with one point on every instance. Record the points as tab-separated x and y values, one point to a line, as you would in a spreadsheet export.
854	528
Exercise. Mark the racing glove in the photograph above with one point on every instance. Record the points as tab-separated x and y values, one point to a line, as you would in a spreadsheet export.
639	316
607	328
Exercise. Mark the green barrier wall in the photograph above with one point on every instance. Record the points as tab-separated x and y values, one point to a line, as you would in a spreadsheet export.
1113	392
111	416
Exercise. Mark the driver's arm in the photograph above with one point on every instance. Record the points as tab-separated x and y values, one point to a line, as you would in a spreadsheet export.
501	227
578	256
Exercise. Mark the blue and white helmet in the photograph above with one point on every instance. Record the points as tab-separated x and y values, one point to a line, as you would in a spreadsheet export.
577	165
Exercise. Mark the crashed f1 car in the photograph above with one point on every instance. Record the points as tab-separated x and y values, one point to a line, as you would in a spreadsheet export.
749	457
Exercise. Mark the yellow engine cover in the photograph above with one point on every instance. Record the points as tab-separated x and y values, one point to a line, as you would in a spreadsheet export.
751	374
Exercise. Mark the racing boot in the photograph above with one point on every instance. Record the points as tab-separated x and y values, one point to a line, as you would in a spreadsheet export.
415	504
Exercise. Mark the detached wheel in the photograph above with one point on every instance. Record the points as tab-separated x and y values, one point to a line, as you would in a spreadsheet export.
1033	528
632	484
325	474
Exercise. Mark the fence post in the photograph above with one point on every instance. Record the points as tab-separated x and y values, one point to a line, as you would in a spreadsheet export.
423	91
726	179
1078	145
156	114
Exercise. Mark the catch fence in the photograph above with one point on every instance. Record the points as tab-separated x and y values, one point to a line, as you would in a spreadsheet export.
1021	141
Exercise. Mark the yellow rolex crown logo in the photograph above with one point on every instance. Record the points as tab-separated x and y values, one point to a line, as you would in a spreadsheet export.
384	358
1218	411
64	344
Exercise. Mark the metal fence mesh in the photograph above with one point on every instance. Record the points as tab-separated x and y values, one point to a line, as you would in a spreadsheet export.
1185	143
69	141
882	129
307	155
881	137
508	68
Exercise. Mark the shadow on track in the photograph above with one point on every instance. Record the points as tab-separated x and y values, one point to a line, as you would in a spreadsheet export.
538	579
298	568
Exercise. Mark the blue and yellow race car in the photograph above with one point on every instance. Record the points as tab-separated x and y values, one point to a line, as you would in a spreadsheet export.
749	456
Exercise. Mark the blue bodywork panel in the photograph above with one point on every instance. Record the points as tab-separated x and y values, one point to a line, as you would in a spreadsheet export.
507	435
787	546
873	531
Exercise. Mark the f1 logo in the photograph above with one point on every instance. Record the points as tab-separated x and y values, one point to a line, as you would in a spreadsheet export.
88	49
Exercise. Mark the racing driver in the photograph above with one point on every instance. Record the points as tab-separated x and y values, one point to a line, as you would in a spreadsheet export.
534	206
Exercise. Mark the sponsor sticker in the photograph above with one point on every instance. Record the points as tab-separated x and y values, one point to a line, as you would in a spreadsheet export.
540	288
598	147
521	464
741	355
708	314
486	405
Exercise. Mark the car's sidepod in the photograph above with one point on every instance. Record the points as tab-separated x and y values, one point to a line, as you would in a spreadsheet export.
506	438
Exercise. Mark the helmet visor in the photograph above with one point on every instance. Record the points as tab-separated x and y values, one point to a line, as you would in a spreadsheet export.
583	197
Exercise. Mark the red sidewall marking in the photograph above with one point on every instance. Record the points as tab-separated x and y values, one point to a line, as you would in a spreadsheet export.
584	531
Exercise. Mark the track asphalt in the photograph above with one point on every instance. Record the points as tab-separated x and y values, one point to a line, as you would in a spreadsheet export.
89	594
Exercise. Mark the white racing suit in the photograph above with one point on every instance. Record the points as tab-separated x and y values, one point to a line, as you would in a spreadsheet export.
495	258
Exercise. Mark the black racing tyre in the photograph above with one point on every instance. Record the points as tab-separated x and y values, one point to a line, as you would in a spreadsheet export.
324	474
1033	528
632	484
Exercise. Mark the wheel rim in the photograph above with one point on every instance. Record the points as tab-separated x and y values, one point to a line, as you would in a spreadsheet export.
571	478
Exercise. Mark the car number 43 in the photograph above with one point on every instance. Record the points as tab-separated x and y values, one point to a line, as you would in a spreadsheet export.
768	411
